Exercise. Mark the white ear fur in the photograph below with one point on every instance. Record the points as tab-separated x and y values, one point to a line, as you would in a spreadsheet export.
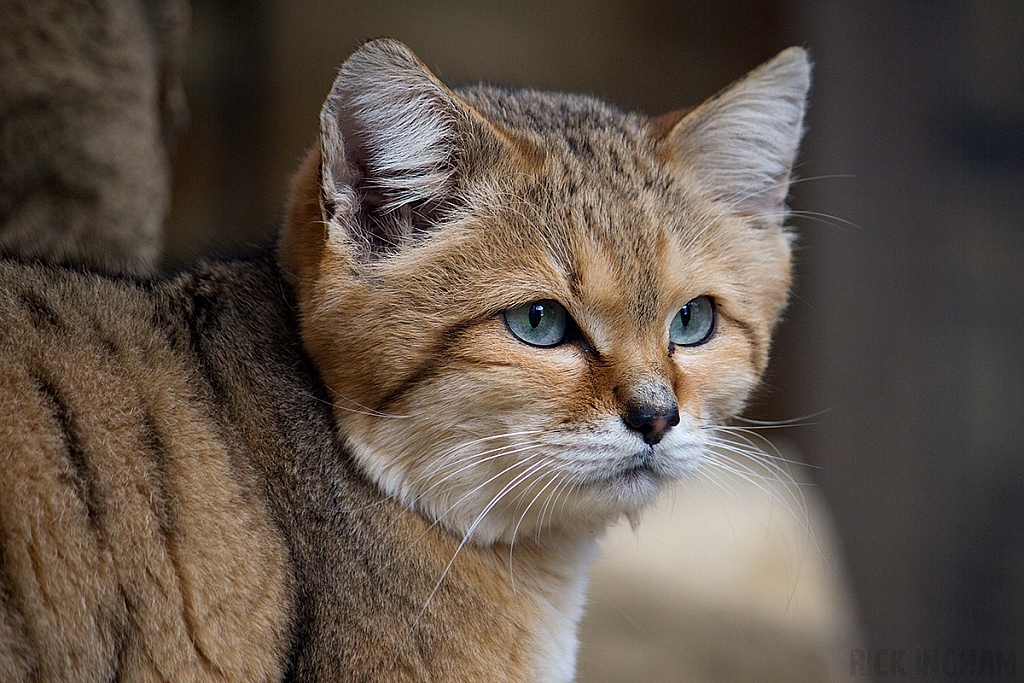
387	117
742	143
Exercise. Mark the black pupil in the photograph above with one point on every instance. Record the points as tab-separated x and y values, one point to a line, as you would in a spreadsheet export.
685	315
536	313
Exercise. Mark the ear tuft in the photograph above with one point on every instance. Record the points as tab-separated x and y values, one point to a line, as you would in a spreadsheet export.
390	132
741	143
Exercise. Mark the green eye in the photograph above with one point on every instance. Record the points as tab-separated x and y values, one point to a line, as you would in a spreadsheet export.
539	323
694	322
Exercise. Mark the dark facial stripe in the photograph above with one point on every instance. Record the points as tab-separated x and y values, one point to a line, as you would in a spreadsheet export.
448	339
748	332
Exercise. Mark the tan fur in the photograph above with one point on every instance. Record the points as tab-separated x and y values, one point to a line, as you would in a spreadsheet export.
488	620
614	248
175	550
412	345
414	493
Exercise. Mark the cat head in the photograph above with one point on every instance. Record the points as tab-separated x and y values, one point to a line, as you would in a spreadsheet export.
530	307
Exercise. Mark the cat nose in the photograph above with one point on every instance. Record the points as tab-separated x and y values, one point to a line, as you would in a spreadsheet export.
652	421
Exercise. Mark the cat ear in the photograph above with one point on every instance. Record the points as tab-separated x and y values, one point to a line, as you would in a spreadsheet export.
390	137
741	143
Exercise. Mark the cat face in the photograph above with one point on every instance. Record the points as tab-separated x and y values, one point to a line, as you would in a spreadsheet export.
530	307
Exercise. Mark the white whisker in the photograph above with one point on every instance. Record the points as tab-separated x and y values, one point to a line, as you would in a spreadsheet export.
465	539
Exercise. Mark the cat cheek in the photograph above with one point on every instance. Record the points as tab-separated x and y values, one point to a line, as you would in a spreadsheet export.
713	382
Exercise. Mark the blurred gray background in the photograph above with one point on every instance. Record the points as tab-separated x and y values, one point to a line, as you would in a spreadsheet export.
907	324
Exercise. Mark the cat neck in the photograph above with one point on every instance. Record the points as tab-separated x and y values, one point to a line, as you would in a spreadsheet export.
537	584
560	576
478	608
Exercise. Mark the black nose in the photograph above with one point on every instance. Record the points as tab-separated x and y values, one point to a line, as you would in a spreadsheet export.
652	421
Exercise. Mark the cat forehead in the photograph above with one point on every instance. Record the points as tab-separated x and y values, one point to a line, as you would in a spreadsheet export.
601	220
600	163
582	123
546	110
592	247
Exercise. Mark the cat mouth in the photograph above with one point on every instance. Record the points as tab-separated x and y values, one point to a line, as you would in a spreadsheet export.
639	469
636	471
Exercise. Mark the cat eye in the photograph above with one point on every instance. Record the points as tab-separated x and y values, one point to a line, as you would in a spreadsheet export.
539	323
694	322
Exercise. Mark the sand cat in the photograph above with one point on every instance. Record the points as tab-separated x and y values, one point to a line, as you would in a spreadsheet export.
383	449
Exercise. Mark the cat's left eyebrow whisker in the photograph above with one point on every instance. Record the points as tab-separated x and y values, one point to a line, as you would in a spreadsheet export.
733	201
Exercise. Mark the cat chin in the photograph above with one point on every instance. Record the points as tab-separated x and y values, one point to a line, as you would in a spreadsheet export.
591	477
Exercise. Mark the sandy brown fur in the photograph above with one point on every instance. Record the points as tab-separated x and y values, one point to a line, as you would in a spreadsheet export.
129	500
334	460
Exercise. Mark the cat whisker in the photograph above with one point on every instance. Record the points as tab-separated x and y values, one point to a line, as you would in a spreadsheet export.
439	518
369	413
739	444
565	488
465	539
796	421
766	525
825	218
775	464
443	460
801	519
515	531
517	450
473	459
774	474
736	199
815	178
360	409
747	436
465	496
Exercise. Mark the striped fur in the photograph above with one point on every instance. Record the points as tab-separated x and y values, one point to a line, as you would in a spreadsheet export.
333	461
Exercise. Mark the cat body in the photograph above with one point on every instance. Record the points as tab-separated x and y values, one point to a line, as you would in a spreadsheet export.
222	535
383	450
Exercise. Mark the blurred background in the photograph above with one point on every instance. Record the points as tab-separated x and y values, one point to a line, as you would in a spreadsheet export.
901	360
